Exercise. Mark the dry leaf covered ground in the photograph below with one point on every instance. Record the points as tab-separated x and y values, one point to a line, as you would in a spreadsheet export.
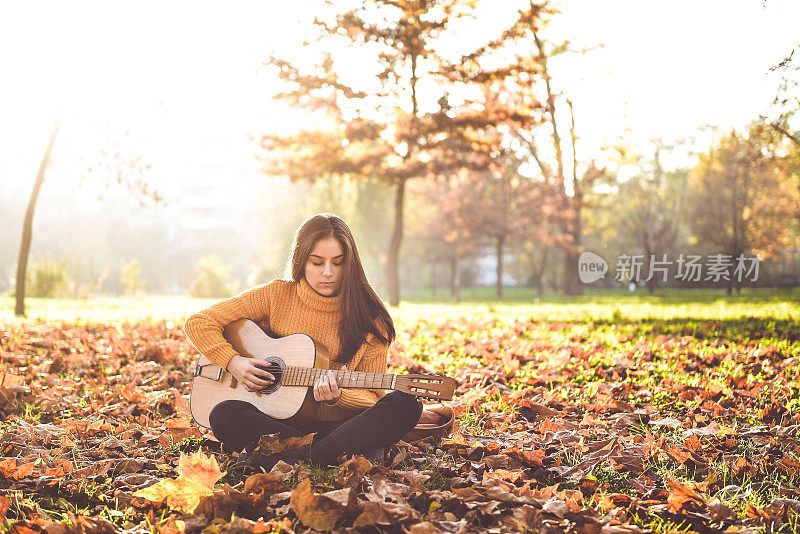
586	427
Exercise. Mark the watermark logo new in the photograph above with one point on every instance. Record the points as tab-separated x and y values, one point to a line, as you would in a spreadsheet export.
591	267
689	268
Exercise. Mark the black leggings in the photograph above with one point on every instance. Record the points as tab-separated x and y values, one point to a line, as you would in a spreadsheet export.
239	424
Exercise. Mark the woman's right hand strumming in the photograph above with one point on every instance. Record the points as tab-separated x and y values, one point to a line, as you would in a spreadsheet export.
249	374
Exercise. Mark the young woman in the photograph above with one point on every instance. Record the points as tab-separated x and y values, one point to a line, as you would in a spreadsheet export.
329	299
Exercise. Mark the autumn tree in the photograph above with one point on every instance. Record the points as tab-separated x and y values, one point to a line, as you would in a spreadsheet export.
538	257
442	224
27	225
506	206
562	197
499	208
787	102
786	107
571	204
532	87
113	165
742	197
652	208
410	114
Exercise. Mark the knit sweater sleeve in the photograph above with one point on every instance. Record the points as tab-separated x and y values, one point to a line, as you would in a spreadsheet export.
373	360
205	328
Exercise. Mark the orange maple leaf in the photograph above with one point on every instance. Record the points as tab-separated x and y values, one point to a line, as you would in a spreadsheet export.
197	474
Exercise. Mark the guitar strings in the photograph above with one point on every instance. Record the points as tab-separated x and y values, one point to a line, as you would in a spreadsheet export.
307	376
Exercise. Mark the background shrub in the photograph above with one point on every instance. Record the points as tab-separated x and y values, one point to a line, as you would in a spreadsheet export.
49	278
213	279
131	277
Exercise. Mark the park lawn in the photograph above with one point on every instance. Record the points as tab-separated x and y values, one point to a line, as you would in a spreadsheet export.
669	412
517	302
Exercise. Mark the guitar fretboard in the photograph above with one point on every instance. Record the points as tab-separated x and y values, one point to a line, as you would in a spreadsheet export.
304	376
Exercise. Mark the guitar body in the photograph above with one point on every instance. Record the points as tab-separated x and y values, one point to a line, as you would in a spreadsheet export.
249	340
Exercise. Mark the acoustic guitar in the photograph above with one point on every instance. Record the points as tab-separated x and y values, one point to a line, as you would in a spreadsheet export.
296	363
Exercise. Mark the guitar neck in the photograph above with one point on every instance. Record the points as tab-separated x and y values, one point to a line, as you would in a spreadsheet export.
305	376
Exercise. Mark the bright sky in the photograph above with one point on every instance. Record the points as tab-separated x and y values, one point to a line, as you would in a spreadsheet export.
185	78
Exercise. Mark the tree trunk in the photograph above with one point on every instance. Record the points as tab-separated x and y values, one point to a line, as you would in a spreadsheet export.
500	241
454	278
539	284
540	272
737	284
397	233
572	283
551	110
577	234
651	283
27	226
392	264
433	279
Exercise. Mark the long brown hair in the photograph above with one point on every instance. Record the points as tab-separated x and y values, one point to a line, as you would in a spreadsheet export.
361	308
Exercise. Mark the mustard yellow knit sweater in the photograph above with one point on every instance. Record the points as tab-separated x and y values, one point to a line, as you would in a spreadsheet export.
287	307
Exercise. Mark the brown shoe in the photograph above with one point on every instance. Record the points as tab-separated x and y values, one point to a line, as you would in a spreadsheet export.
436	421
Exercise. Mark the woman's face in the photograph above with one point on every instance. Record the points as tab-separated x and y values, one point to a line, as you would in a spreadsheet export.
324	266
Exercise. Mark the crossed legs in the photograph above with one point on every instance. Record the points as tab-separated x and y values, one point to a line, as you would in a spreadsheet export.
239	425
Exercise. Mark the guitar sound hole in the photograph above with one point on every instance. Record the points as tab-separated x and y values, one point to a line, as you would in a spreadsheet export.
274	367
